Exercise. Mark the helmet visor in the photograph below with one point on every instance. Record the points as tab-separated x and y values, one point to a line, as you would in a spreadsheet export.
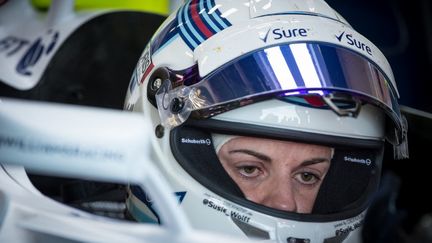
285	70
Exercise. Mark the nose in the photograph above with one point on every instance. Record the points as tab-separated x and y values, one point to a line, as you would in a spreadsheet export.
280	195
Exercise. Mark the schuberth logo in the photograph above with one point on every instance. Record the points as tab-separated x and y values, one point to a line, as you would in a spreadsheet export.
357	160
196	141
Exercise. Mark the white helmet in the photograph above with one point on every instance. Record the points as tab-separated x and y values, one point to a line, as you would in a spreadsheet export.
288	70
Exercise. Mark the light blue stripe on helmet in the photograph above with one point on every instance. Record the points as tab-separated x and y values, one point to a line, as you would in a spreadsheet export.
215	15
205	15
188	21
189	40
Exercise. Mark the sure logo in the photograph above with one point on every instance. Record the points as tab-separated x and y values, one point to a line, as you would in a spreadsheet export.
350	40
282	33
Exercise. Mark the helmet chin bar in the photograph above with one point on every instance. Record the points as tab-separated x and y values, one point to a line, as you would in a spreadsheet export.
352	103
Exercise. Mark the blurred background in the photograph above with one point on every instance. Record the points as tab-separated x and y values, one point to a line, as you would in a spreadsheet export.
403	32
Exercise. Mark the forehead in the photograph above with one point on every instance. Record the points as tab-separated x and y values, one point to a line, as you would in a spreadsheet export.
272	144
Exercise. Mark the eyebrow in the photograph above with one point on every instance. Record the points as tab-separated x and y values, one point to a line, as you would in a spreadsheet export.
266	158
314	161
252	153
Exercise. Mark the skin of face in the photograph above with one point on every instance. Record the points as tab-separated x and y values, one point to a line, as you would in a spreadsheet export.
278	174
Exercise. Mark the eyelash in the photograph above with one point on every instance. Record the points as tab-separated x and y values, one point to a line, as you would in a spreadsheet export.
316	178
242	173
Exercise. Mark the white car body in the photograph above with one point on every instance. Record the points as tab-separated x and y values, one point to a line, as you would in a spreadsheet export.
70	141
48	138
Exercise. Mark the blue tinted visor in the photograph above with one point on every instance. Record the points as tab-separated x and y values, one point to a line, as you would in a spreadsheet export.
298	69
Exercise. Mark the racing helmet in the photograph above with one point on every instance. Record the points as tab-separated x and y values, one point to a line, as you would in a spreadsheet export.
285	70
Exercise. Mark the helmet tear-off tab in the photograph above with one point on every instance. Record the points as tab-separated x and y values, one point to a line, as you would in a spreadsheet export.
352	111
401	151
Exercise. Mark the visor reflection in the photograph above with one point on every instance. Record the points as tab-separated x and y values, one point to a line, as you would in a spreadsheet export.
286	70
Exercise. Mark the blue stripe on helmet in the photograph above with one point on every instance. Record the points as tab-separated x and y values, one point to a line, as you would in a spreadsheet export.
189	21
216	14
166	35
190	40
208	20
